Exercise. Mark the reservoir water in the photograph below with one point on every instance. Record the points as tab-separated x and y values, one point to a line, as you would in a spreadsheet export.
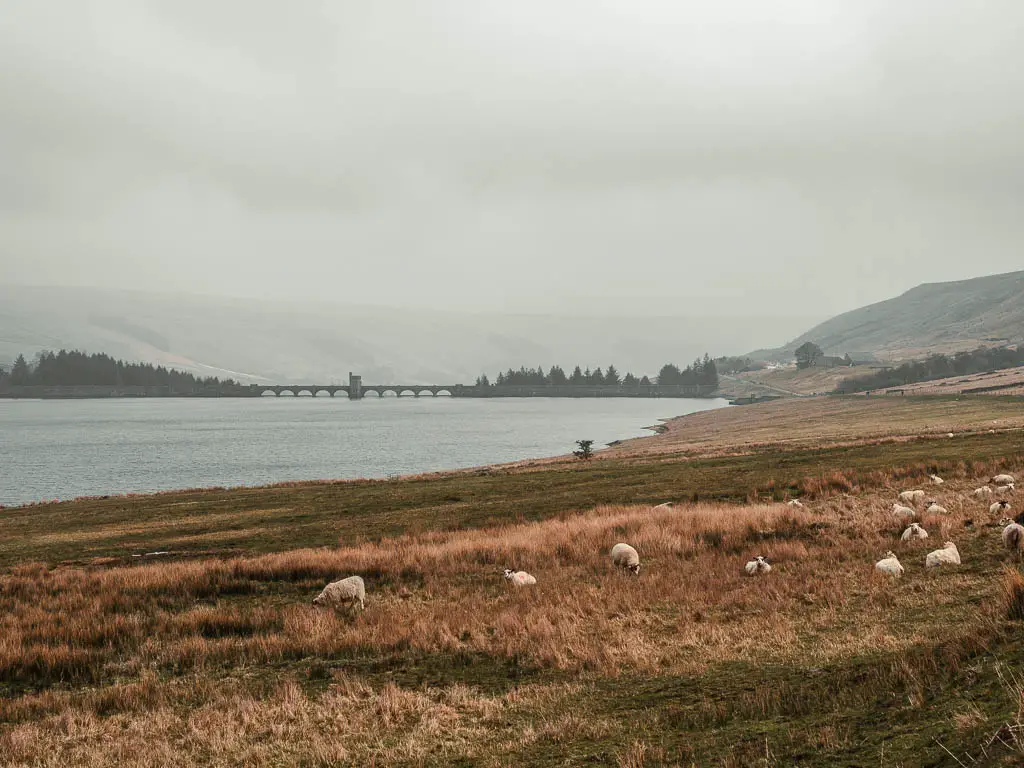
60	449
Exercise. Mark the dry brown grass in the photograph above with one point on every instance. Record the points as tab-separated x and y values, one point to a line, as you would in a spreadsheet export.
442	593
193	722
106	658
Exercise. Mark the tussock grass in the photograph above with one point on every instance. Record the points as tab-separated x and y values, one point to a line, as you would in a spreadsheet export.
219	658
1013	594
112	648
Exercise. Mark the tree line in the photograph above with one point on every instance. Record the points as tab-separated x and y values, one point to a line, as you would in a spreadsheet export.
936	366
75	368
701	371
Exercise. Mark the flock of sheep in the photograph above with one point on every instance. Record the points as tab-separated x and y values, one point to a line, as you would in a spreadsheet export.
351	592
623	556
1013	531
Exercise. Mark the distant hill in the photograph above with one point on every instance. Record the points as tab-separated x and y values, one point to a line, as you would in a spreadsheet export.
253	340
933	317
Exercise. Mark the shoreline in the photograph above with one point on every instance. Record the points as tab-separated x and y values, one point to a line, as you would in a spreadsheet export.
527	463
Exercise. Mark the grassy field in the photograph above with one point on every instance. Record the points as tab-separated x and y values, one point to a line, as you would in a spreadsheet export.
1009	381
828	422
213	654
805	381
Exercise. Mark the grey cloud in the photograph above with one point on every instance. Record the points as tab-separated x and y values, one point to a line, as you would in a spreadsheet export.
518	155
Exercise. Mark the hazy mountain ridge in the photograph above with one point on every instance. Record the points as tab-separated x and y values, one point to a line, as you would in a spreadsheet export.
933	317
257	340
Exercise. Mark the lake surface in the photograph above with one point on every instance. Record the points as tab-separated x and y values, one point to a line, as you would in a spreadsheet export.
60	449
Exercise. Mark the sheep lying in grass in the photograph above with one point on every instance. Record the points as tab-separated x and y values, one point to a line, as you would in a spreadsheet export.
981	493
795	503
999	507
936	480
1013	535
934	508
1005	488
915	531
948	555
912	497
889	565
348	593
758	566
666	505
900	511
1003	480
519	578
624	556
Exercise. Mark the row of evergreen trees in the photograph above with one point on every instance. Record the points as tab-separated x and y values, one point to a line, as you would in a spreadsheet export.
699	372
937	367
80	369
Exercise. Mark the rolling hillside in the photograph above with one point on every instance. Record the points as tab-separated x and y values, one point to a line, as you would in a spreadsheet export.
933	317
255	340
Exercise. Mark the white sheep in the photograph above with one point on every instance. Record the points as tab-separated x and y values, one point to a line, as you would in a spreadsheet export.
934	508
666	505
900	511
948	555
1013	535
889	565
624	556
519	578
760	565
1005	488
936	480
999	507
981	493
795	503
1003	480
912	497
347	592
915	531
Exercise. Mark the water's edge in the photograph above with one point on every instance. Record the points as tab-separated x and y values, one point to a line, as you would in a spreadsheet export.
116	447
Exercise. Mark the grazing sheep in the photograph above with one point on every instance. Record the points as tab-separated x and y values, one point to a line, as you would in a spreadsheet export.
795	503
519	578
666	505
981	493
624	556
912	497
900	511
936	480
934	508
754	567
999	507
1004	488
948	555
915	531
347	592
1013	535
1003	480
889	565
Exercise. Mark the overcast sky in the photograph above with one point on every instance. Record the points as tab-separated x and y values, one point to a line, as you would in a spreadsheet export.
757	157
